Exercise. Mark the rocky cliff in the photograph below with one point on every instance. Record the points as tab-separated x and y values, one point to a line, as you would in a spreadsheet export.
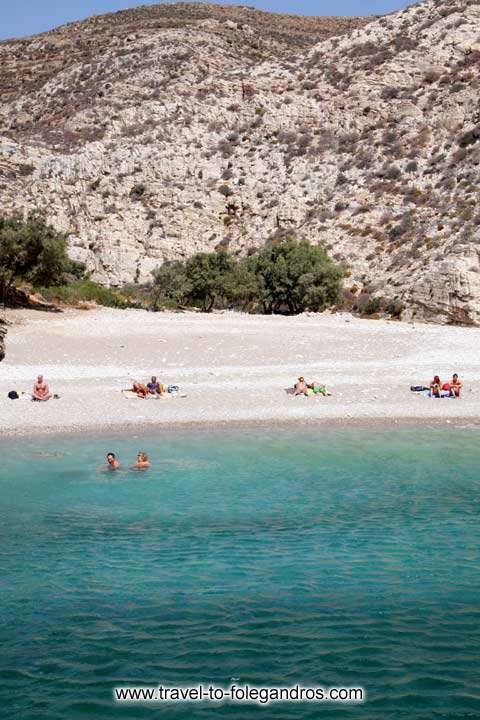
154	133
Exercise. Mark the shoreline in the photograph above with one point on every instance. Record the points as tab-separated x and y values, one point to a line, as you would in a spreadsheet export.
219	427
233	371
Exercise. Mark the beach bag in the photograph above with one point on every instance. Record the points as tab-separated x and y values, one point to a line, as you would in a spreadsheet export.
418	388
13	395
173	388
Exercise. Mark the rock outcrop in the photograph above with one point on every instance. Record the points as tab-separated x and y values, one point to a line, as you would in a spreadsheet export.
154	133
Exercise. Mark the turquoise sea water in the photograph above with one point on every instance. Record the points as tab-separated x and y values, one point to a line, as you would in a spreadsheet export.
326	557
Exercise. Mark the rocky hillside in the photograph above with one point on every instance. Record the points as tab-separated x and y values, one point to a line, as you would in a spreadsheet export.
153	133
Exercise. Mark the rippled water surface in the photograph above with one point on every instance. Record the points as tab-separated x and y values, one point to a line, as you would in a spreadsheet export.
326	557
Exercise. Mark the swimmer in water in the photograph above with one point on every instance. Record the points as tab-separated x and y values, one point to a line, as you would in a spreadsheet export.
142	461
112	461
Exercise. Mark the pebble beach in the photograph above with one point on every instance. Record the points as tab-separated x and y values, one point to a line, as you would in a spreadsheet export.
231	368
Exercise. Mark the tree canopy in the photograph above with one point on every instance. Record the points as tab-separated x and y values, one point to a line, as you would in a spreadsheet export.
33	251
287	277
294	276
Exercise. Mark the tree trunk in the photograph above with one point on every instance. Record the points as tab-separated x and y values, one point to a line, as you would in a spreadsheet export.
3	332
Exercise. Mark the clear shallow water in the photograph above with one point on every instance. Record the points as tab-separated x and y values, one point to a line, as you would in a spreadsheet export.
338	557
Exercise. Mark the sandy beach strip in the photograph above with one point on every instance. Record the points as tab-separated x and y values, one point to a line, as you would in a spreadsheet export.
233	368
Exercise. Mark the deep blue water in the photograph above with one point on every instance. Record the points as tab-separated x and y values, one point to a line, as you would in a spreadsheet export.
320	557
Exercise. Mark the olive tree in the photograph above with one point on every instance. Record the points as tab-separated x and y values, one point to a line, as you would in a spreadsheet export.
294	276
33	251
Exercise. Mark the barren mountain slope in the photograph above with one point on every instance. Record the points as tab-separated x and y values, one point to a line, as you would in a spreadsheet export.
170	140
28	63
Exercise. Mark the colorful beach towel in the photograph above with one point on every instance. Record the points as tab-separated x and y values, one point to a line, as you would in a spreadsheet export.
443	394
131	394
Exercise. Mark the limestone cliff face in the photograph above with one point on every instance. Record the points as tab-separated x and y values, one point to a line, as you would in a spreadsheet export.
149	137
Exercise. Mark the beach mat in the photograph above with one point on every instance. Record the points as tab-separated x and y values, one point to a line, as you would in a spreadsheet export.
23	395
132	394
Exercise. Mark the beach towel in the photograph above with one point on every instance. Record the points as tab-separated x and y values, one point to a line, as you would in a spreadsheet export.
19	395
22	395
443	394
133	395
130	394
320	390
317	390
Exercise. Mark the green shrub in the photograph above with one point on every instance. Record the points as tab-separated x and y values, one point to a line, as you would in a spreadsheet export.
294	276
470	137
289	277
170	285
208	276
372	306
33	251
85	290
137	191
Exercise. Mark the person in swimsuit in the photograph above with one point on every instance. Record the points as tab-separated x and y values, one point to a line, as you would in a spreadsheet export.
141	390
318	388
41	391
300	387
436	387
142	461
456	386
112	461
154	387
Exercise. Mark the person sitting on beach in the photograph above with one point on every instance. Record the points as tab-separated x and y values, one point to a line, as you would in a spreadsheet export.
141	390
436	387
112	461
300	387
456	386
41	391
154	387
142	461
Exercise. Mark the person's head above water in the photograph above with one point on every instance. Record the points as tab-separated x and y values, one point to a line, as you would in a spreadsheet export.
142	461
112	459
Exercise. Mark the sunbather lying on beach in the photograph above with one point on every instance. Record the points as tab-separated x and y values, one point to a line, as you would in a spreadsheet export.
141	390
41	391
318	388
313	388
300	387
